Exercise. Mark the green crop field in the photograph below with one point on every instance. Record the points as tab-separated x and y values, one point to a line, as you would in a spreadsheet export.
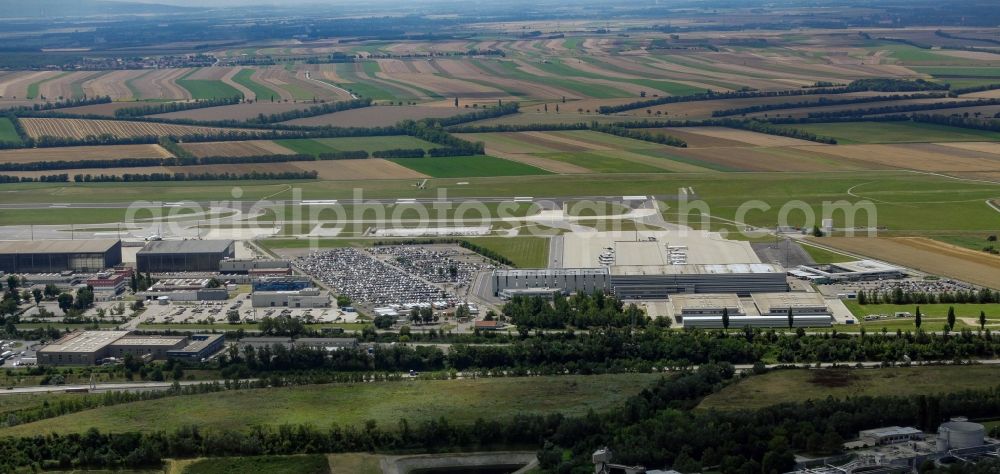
787	386
203	89
602	161
7	131
525	252
951	71
467	166
262	92
848	133
304	464
315	146
459	401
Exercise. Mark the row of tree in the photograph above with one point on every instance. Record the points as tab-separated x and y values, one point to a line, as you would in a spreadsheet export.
644	135
902	108
959	121
901	296
225	176
821	102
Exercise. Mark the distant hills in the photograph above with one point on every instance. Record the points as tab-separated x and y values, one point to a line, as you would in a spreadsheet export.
79	8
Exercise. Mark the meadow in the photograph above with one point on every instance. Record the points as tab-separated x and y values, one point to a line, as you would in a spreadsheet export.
261	91
467	166
317	146
797	385
7	131
848	133
459	401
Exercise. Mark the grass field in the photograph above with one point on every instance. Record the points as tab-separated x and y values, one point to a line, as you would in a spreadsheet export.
467	166
315	146
202	89
822	256
848	133
601	162
7	131
787	386
262	92
933	311
305	464
460	401
525	252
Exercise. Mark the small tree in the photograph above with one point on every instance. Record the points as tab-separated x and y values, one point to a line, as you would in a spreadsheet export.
65	302
917	319
725	318
982	320
951	318
791	318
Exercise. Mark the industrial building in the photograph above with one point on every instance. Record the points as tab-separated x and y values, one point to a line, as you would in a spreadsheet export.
200	347
889	435
801	304
171	256
859	270
960	434
54	256
247	266
107	285
304	298
648	281
184	289
281	283
91	347
706	305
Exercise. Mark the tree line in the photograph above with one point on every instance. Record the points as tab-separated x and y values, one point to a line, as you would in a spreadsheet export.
959	121
643	135
226	176
821	102
899	296
860	85
897	109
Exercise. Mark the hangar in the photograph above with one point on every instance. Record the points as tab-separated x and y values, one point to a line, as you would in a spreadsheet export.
170	256
54	256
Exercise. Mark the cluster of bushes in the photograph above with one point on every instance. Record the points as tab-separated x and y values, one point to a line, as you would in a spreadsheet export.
581	311
523	127
821	102
62	104
643	135
434	134
894	85
399	153
764	127
482	114
227	176
969	90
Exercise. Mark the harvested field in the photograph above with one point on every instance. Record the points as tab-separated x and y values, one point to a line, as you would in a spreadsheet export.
377	116
107	110
15	85
247	148
750	138
82	153
159	84
373	168
984	147
926	255
271	78
112	84
917	156
66	86
759	159
553	166
80	128
242	111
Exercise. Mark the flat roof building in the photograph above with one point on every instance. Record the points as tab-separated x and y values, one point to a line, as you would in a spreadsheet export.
166	256
848	271
54	256
90	347
305	298
801	303
200	347
706	305
890	435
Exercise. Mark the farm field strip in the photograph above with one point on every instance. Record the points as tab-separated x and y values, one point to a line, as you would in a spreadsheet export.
82	128
82	153
243	148
921	157
848	133
467	166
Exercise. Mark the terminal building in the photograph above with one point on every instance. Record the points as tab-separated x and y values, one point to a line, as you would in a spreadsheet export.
54	256
92	347
174	256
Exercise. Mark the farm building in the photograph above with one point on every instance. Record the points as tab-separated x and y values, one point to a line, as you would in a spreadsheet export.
168	256
90	347
54	256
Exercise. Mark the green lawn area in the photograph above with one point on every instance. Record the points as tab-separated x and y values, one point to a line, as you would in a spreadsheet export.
787	386
459	401
974	242
262	92
7	131
822	256
315	146
602	161
304	464
848	133
525	252
203	89
467	166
